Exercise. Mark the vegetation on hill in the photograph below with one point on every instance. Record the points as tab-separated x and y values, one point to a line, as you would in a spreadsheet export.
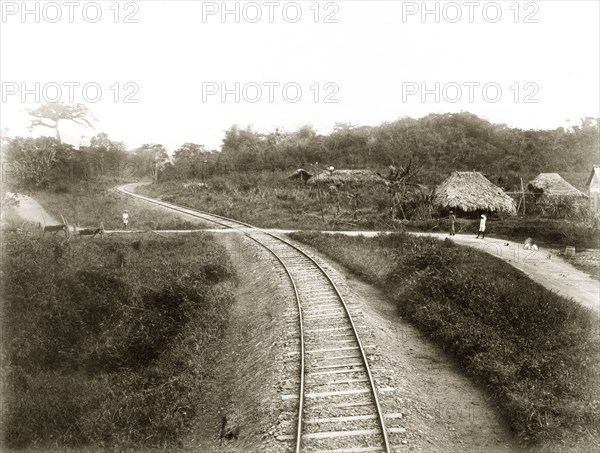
536	352
436	144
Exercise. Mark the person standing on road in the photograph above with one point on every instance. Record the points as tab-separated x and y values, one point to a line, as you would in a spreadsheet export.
452	219
125	219
482	227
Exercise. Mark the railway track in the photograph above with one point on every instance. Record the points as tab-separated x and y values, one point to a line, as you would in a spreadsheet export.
338	403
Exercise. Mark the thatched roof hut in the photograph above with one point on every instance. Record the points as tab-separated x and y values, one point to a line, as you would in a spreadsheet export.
470	191
550	185
346	177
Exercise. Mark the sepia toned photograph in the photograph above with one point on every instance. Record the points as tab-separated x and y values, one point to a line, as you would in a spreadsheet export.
300	226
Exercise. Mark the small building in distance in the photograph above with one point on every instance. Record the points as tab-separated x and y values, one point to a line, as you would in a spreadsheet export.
301	174
593	185
470	191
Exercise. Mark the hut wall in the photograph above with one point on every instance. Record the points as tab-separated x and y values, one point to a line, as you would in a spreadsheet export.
594	192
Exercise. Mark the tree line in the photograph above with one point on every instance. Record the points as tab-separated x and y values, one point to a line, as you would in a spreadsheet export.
30	164
434	145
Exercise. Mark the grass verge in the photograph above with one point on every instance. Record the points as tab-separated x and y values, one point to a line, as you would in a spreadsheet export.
108	344
270	200
535	352
88	203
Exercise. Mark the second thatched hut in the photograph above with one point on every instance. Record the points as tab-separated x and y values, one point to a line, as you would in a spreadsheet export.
551	185
470	191
554	197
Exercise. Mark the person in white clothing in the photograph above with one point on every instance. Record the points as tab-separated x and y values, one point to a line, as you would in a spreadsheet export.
482	227
125	218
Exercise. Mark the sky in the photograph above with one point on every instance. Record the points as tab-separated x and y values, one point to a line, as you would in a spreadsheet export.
172	72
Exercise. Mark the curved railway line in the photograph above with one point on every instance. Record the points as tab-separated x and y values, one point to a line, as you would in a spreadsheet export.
338	403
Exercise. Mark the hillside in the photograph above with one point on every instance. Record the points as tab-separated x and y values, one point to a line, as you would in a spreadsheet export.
437	145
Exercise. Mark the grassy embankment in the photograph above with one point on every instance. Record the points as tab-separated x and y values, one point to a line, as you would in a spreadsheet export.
535	352
270	200
108	345
86	204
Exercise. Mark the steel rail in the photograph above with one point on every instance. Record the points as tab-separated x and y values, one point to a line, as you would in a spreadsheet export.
203	215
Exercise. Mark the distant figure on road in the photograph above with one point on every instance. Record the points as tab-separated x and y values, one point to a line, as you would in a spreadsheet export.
452	219
125	218
482	227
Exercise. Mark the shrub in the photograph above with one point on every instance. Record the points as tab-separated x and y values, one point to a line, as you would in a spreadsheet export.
103	339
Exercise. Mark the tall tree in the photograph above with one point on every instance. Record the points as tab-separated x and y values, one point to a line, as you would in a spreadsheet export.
243	147
105	155
51	114
190	160
150	158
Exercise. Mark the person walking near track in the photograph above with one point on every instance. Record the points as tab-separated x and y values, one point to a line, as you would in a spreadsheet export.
452	219
125	219
482	227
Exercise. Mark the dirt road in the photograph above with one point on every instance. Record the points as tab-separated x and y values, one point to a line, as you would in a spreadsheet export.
31	211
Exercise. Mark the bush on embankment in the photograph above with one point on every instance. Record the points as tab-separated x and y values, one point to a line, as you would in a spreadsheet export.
109	343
